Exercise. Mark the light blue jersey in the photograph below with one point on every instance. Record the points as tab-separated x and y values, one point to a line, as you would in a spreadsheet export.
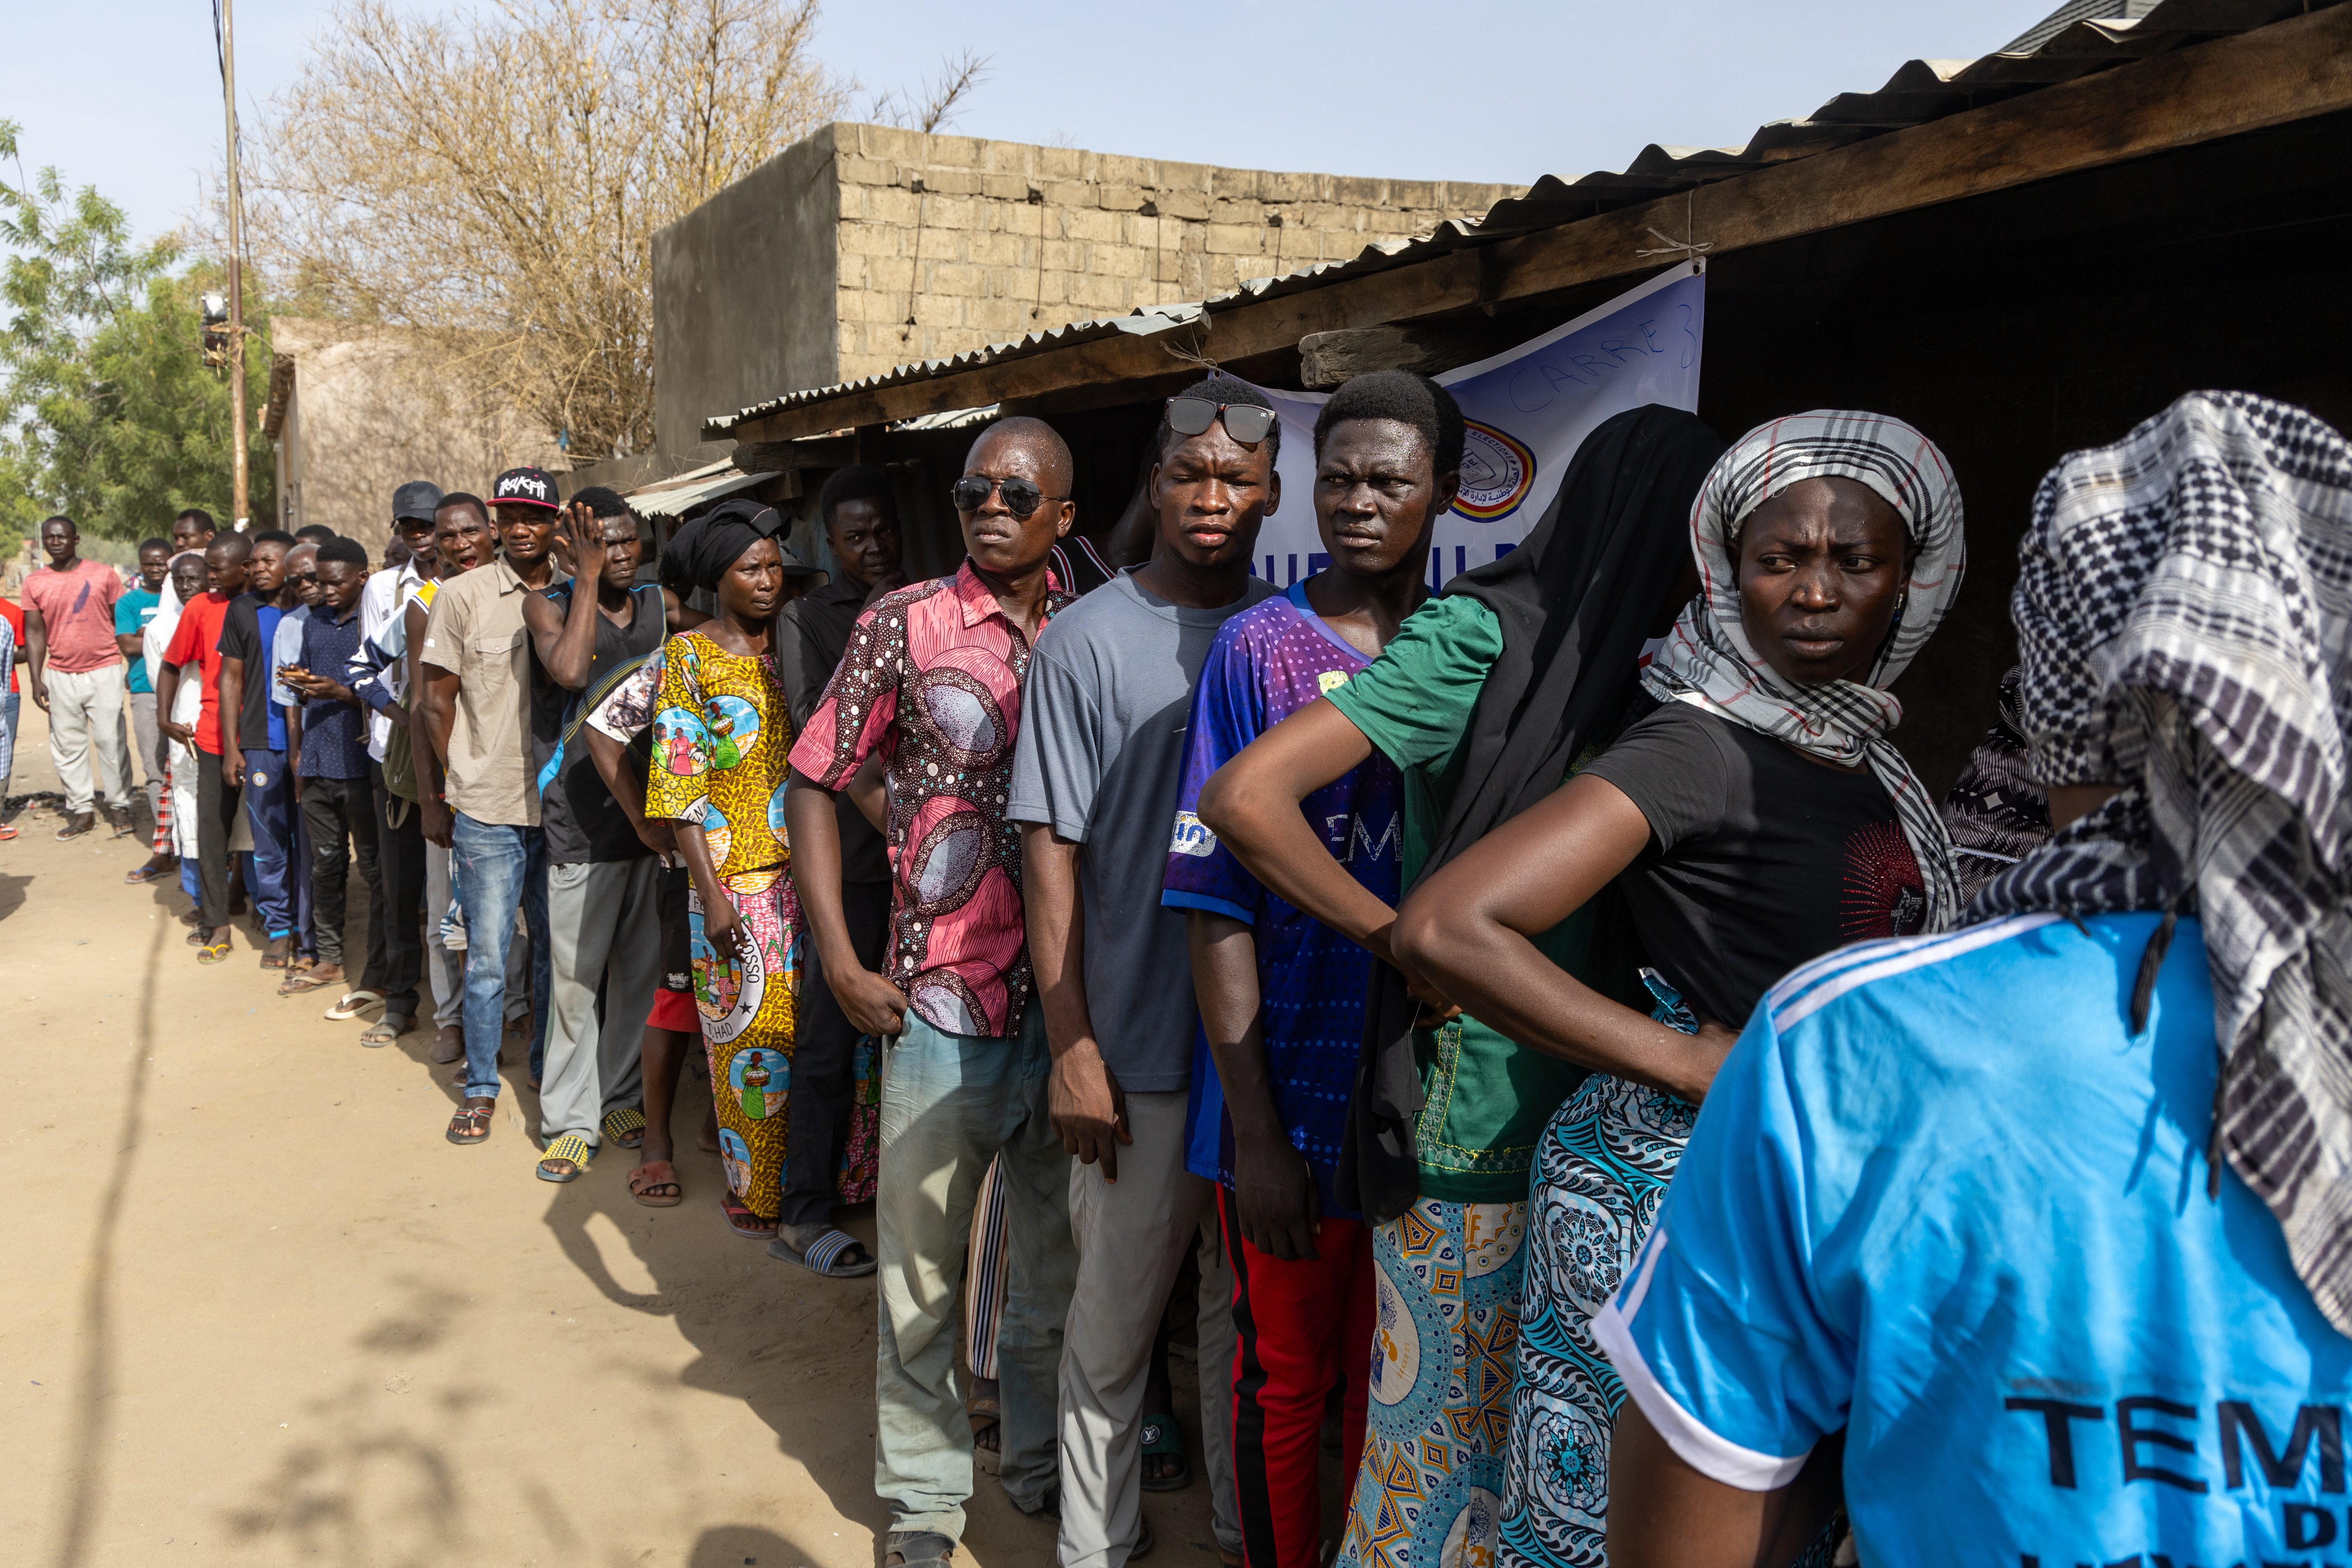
1941	1196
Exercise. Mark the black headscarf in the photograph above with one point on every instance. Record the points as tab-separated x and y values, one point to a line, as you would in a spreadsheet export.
704	548
1576	602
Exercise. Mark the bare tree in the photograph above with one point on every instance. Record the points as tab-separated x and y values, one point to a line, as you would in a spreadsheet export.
494	179
943	96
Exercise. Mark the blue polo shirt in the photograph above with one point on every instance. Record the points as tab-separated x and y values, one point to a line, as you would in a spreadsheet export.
1941	1196
334	734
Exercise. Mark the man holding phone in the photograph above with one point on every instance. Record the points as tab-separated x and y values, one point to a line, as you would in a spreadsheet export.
331	765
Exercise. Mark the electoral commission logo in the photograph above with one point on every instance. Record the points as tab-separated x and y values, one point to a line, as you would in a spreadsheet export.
1497	472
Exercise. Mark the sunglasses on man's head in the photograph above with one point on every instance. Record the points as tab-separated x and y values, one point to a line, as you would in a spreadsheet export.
1244	422
971	494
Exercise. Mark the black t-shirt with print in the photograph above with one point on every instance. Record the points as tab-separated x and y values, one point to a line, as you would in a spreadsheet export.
1759	859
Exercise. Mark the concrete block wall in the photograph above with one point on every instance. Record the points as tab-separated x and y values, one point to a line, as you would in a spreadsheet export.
980	242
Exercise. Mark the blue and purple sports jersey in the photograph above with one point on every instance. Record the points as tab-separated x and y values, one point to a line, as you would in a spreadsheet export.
1267	663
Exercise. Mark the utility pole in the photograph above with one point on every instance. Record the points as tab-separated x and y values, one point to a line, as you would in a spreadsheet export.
239	477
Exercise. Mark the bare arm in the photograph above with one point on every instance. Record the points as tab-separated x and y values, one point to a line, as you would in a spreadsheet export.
232	720
1251	803
682	617
428	743
167	691
628	787
867	791
1665	1514
1083	1097
872	1003
722	922
37	652
294	747
1469	927
566	643
1273	1187
131	645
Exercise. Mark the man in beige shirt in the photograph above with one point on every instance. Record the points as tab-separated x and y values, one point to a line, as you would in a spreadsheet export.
474	772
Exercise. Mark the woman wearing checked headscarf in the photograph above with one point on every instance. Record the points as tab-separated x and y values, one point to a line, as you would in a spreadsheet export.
2049	1213
1759	817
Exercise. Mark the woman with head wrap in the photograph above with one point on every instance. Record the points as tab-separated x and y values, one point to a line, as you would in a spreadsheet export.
1484	701
1757	818
2048	1214
720	736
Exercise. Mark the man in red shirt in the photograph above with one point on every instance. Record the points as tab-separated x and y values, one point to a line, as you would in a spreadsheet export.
196	642
76	677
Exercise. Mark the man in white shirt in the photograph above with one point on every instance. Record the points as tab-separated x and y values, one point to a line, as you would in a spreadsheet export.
399	888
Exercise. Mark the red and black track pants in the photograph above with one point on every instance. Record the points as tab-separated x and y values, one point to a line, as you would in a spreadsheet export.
1299	1327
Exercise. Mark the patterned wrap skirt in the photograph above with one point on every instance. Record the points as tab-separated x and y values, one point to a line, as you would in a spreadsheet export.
1445	1329
747	1005
1600	1172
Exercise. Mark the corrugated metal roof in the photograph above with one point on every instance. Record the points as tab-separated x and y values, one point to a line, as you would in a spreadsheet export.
2078	39
681	493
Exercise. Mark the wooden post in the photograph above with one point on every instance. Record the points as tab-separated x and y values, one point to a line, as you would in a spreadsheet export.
239	487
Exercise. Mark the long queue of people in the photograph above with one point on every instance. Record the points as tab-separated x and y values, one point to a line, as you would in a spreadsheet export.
1581	1060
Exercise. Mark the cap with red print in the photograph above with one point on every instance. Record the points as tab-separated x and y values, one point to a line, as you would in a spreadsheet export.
524	487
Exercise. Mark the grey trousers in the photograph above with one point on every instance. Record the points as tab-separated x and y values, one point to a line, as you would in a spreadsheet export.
1131	1235
146	738
597	914
86	737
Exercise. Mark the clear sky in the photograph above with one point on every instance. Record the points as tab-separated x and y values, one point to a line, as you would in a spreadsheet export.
1503	91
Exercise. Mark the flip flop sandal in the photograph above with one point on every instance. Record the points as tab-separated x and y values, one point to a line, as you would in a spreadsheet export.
353	1004
743	1221
299	984
1162	1438
625	1127
918	1548
275	960
986	1414
1144	1541
386	1029
571	1150
827	1255
7	831
470	1127
139	879
68	832
213	951
646	1181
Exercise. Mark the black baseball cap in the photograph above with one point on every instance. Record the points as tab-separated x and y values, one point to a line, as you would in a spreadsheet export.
524	487
418	499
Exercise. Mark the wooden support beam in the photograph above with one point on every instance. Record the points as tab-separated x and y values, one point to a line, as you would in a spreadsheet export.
1326	359
786	457
2287	71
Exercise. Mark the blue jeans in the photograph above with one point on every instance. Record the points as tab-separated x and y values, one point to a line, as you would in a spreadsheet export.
951	1103
10	703
269	808
498	868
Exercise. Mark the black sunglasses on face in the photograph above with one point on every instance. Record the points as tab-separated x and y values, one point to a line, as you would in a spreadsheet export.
971	494
1244	422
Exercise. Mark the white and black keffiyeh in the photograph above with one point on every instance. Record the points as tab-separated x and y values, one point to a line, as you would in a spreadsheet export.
1708	660
2184	610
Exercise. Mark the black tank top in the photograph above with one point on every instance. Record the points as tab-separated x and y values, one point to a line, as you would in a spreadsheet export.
583	821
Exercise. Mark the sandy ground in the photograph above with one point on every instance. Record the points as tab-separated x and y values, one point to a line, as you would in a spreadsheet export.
259	1311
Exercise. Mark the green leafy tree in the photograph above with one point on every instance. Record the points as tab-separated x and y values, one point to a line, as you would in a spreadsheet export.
108	412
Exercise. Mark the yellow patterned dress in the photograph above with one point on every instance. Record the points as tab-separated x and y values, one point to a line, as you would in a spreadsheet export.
720	736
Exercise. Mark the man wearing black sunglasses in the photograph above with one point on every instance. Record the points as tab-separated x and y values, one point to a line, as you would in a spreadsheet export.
1100	757
932	681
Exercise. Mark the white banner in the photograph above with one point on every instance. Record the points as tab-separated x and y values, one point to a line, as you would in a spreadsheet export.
1528	409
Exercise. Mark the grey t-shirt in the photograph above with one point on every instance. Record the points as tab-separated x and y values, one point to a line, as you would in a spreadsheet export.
1099	759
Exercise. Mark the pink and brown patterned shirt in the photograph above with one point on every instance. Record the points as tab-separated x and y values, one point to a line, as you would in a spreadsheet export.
932	681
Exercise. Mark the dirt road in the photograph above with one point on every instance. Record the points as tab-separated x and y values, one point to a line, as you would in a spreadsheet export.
259	1313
